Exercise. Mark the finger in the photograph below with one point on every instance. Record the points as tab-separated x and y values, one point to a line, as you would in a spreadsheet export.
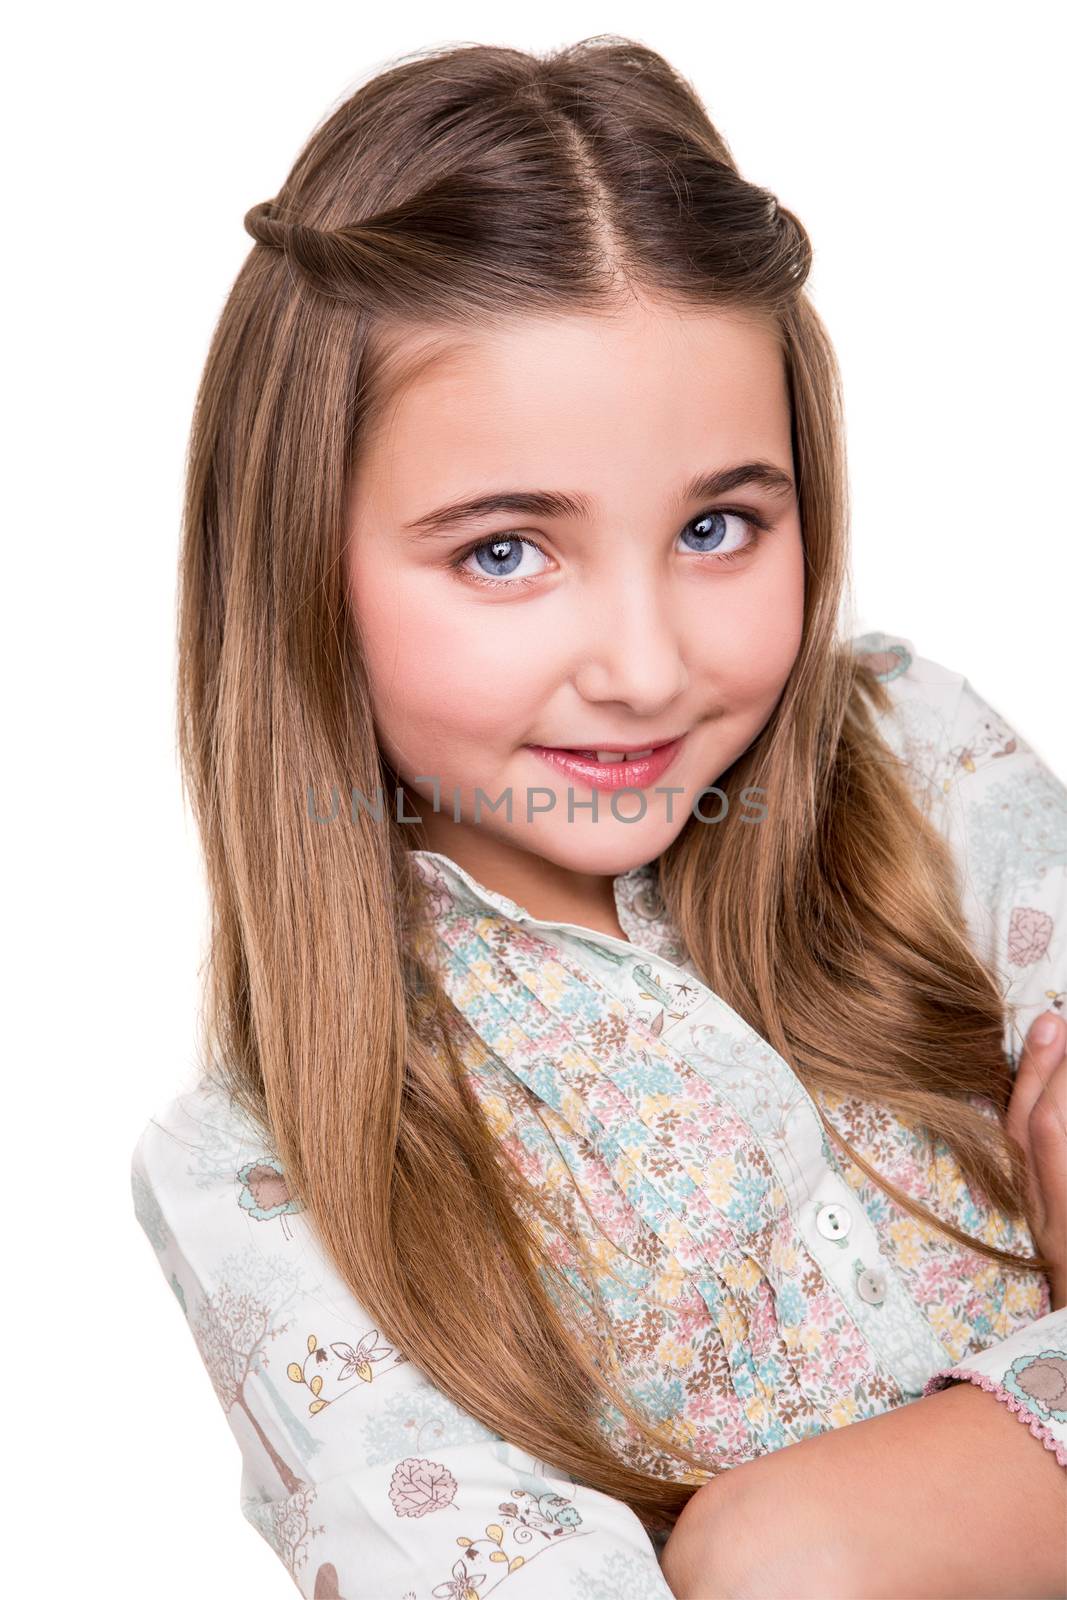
1038	1061
1039	1057
1047	1129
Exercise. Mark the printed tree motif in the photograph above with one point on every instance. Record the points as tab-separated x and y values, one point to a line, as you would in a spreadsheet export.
286	1526
148	1212
232	1327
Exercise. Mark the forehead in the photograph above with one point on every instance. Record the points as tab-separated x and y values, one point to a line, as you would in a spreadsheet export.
550	395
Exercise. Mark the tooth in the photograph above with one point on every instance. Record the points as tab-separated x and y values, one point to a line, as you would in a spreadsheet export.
636	754
610	755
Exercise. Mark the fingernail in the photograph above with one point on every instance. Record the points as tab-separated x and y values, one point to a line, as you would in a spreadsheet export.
1045	1028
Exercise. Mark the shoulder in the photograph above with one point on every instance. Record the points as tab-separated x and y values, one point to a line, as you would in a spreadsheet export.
1002	810
257	1288
195	1152
950	737
925	696
211	1196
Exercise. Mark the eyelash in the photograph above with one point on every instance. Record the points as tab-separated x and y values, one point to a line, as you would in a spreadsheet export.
755	523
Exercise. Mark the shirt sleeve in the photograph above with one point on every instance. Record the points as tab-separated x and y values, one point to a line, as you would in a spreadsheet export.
365	1480
1004	813
1028	1373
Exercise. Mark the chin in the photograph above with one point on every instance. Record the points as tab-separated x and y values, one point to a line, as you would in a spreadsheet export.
609	847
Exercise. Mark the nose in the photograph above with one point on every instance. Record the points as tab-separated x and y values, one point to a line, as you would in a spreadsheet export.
631	650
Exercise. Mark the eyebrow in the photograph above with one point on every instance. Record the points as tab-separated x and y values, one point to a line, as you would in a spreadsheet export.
558	503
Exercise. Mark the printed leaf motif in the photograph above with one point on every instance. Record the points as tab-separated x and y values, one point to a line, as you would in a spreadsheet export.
1029	935
419	1486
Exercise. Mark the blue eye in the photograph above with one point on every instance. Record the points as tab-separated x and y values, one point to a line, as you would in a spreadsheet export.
498	559
712	533
501	557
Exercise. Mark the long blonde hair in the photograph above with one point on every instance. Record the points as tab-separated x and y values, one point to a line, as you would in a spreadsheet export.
458	187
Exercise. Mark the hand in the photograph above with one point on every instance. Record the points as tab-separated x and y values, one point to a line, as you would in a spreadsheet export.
1037	1121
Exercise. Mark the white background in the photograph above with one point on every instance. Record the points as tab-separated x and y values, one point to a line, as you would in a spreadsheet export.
919	146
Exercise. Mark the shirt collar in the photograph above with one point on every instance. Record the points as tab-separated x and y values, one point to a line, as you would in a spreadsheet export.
638	903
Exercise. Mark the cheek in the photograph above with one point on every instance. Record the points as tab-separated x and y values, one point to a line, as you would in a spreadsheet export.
748	640
443	676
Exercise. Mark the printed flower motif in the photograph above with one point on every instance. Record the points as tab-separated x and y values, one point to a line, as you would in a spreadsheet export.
1017	1298
843	1412
991	738
560	1511
790	1305
1041	1380
419	1486
528	1518
1029	935
719	1179
880	1388
707	1122
336	1364
907	1242
462	1585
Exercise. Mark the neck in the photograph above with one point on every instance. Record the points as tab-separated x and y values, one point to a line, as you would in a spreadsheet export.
548	891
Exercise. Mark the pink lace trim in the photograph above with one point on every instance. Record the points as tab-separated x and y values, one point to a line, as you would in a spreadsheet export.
1039	1429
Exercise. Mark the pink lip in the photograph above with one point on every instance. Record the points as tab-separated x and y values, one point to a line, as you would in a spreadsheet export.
611	774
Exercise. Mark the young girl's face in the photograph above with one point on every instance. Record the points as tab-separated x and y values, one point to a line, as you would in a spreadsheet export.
620	605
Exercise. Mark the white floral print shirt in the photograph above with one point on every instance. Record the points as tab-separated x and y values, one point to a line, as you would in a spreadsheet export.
762	1289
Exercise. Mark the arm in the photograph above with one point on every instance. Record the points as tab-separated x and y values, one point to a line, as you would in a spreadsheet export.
364	1479
1028	1370
946	1496
1003	813
920	1467
1005	817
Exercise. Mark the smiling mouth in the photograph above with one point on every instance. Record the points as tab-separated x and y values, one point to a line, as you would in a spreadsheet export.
605	756
613	754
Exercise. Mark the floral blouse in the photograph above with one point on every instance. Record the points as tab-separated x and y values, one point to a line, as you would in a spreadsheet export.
761	1288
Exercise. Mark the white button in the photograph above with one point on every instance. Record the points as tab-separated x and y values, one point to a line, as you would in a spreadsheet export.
833	1222
871	1286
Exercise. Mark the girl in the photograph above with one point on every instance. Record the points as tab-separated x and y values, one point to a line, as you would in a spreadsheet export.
615	1101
